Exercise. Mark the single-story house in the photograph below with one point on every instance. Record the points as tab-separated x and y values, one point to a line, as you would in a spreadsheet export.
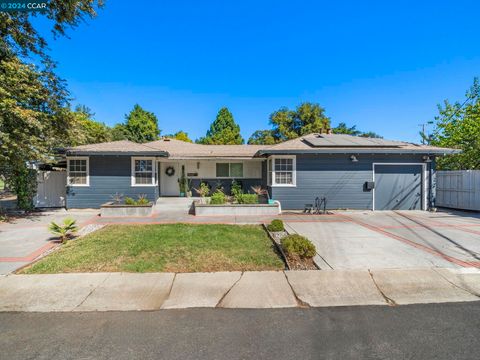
349	172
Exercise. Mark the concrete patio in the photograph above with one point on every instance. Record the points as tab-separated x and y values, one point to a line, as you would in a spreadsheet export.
270	289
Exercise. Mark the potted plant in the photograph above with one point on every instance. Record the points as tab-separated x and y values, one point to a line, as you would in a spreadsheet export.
183	183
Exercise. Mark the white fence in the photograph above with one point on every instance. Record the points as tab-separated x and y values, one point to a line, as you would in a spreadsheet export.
51	191
458	189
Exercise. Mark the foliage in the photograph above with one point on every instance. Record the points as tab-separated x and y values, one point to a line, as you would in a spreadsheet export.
180	135
129	201
18	34
183	182
23	182
342	128
307	118
89	131
458	126
223	131
262	137
257	189
371	134
203	190
142	199
218	197
170	248
246	198
236	188
64	230
140	126
276	225
296	245
117	198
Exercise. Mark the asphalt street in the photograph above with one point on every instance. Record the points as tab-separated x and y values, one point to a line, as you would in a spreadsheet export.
433	331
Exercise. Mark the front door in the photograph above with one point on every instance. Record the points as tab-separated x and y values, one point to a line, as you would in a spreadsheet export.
169	179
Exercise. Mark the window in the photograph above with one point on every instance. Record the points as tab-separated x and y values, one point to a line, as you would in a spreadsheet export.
281	171
143	172
77	171
229	170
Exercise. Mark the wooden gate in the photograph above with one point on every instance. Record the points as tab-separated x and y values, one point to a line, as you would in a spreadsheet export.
51	190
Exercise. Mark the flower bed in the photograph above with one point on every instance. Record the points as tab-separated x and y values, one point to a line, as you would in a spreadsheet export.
235	209
112	209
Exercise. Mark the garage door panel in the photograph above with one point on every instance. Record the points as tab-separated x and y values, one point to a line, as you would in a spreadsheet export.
398	187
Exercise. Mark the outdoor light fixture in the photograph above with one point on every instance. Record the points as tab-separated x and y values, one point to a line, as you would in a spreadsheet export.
353	158
198	165
426	158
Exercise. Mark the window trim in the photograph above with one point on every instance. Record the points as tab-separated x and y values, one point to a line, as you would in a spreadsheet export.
229	170
88	170
154	171
271	174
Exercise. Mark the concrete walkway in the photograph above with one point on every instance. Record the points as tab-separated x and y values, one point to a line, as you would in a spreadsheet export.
269	289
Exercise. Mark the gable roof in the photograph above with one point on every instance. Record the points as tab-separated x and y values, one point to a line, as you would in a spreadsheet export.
178	149
312	143
122	147
341	143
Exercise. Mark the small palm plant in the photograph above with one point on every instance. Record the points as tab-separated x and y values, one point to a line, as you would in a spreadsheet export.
64	230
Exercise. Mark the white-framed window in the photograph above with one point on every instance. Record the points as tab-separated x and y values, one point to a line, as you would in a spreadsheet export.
78	170
229	170
143	171
282	170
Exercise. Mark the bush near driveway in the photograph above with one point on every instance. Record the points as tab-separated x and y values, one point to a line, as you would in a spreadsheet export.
276	226
296	245
171	248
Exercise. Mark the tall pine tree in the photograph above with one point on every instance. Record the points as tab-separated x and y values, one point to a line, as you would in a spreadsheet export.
223	131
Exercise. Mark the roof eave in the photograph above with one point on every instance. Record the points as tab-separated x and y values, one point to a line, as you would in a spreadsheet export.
438	152
105	153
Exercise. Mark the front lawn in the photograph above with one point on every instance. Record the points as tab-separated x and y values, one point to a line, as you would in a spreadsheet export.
169	248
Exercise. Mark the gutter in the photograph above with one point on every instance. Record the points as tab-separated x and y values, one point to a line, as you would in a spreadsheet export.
361	151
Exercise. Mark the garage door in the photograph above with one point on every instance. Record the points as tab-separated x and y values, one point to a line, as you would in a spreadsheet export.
398	187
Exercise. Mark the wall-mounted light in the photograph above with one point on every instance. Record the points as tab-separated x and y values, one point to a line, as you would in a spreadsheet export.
198	165
426	158
353	158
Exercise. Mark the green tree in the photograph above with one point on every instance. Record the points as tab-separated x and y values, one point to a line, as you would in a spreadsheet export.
89	131
34	120
458	126
371	134
180	135
307	118
262	137
342	128
223	131
18	34
140	126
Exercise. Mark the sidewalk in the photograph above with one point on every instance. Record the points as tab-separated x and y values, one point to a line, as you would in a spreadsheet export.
269	289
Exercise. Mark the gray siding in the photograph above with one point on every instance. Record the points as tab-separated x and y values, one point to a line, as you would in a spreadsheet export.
337	178
108	175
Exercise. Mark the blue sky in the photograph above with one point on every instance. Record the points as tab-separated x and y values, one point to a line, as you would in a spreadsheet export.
383	66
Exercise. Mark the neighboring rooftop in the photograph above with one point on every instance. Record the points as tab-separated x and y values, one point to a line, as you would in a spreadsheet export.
183	150
122	147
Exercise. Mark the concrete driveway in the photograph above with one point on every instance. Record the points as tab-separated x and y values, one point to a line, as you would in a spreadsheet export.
25	238
393	239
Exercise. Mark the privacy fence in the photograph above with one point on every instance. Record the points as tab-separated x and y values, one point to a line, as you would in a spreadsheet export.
458	189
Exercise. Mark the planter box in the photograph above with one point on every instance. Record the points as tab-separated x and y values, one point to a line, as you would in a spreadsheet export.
236	209
122	210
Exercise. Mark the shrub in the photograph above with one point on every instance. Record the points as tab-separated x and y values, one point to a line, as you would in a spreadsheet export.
236	189
296	245
129	201
203	190
142	200
218	197
65	230
276	225
247	198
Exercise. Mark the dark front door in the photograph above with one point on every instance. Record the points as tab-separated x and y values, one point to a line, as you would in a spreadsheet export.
398	187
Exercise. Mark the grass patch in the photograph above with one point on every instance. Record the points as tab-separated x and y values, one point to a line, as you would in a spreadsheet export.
169	248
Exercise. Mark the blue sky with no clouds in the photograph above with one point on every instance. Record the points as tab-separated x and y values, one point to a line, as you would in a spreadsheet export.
383	66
